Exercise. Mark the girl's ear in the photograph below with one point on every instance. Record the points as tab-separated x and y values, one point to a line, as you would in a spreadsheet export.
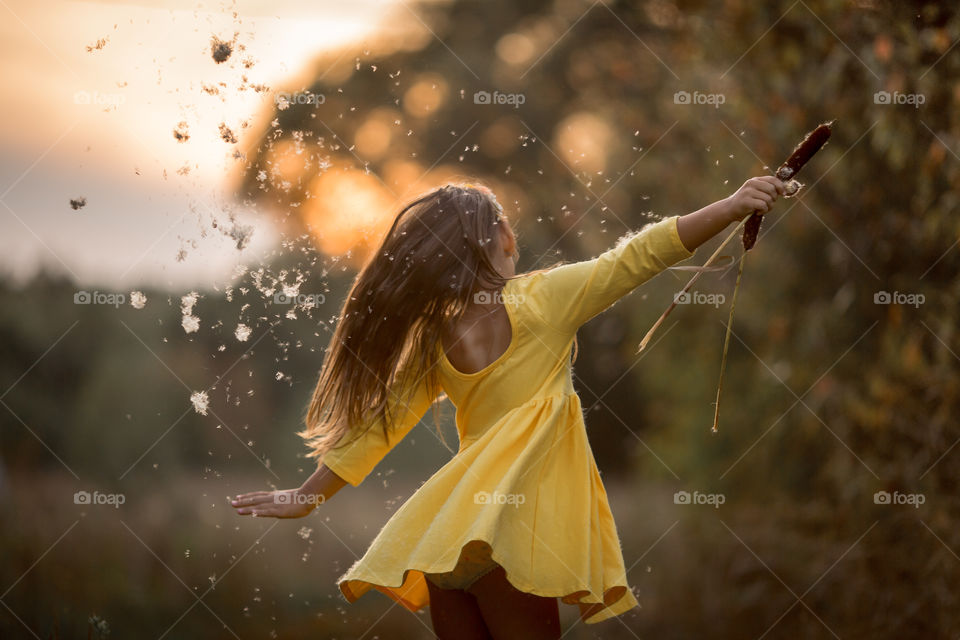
507	239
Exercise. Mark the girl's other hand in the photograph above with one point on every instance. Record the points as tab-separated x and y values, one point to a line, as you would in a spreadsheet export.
756	195
287	503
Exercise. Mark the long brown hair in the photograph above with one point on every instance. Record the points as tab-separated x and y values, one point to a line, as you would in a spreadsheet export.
417	283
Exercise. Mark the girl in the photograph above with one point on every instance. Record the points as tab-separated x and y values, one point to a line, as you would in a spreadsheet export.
519	516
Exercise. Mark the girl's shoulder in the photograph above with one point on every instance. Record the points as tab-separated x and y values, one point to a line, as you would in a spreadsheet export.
528	278
528	300
518	288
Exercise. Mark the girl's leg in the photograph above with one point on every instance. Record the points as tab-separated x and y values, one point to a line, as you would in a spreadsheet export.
511	613
456	615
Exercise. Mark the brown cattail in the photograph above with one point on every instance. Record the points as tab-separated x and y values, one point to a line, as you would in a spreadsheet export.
788	171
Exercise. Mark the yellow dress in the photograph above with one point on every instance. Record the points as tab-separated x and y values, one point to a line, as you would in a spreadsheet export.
524	480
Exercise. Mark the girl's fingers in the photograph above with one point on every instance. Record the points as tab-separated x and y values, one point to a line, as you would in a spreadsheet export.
769	197
777	183
761	185
760	196
252	493
766	186
248	499
758	205
256	510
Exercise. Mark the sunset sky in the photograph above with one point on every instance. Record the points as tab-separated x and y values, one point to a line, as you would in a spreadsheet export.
99	124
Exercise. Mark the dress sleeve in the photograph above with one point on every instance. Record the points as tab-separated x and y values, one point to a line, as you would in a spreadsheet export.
357	458
571	294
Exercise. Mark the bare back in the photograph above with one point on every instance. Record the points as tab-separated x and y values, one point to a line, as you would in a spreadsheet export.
479	339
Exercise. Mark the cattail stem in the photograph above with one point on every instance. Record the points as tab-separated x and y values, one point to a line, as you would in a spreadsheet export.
656	325
726	343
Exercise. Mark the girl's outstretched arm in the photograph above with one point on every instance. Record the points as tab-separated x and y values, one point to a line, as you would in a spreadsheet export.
756	194
571	294
291	503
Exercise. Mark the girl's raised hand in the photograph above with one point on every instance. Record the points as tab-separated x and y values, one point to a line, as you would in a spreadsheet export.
757	194
286	503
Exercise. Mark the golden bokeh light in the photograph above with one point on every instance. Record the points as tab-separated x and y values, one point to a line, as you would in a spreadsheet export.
582	139
348	212
288	162
427	94
403	175
516	49
502	137
374	136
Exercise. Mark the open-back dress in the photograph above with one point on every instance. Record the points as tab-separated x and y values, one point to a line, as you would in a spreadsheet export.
524	484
